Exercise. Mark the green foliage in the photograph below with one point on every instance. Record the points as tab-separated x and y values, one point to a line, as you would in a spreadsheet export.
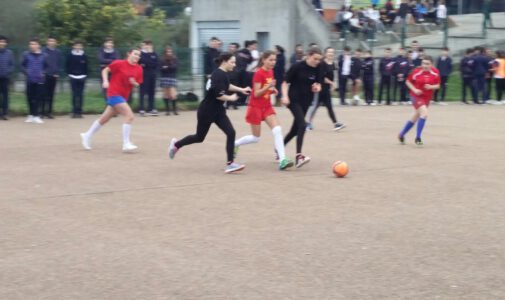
93	20
16	20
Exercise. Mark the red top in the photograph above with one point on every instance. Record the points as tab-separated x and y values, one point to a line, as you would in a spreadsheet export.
121	72
262	77
418	77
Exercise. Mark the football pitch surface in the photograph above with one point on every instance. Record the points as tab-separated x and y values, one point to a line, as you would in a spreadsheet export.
408	222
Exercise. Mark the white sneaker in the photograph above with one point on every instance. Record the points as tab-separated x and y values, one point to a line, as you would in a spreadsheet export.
301	160
37	120
86	143
29	119
129	147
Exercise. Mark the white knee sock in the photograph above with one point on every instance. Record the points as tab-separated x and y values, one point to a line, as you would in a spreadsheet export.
93	129
127	128
279	142
248	139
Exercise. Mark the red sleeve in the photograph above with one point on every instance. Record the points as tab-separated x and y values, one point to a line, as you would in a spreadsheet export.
114	66
411	76
258	78
139	76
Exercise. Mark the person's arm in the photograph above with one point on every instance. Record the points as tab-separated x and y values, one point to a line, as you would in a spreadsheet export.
10	64
413	88
450	65
105	77
24	64
245	91
260	91
86	71
285	98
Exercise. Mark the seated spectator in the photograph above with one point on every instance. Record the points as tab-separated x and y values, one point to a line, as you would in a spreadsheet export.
355	26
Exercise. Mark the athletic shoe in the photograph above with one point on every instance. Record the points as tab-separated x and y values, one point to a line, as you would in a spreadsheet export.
153	113
142	113
29	119
286	163
129	147
338	126
401	139
419	142
301	160
86	143
233	167
235	151
37	120
172	150
309	127
441	103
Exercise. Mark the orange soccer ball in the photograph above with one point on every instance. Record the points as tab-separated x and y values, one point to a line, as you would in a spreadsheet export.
340	168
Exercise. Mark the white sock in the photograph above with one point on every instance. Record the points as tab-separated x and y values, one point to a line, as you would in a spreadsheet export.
248	139
127	128
279	142
93	129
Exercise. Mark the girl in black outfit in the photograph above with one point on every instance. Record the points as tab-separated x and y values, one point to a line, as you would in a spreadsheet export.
212	110
168	81
328	69
303	80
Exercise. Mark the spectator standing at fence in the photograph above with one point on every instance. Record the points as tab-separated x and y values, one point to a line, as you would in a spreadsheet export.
209	57
489	73
6	70
441	14
400	73
368	68
106	55
318	6
466	70
34	66
168	81
386	66
499	74
480	68
297	56
54	60
150	64
444	66
279	70
77	70
344	73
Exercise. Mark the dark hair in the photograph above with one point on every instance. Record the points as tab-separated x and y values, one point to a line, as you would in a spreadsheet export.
421	49
51	37
369	52
235	44
264	56
445	49
388	49
246	43
358	50
327	48
108	39
500	54
469	51
131	49
427	57
77	41
401	48
35	40
312	44
251	42
148	42
225	56
347	48
166	57
416	42
3	38
314	50
280	49
213	39
298	45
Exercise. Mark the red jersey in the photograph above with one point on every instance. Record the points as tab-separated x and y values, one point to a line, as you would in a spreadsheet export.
121	72
418	77
262	77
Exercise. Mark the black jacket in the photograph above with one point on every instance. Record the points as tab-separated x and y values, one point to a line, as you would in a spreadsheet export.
149	62
77	64
209	57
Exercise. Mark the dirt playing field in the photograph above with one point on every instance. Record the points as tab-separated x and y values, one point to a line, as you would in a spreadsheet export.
407	223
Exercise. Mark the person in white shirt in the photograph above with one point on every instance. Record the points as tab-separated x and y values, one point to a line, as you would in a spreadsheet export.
441	13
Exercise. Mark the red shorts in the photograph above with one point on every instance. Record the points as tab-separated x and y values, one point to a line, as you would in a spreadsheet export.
255	115
418	102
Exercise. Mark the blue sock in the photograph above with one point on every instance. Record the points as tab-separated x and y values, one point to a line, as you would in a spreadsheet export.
406	129
420	127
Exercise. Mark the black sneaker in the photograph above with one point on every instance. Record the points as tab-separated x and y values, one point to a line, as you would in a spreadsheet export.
419	142
401	139
338	126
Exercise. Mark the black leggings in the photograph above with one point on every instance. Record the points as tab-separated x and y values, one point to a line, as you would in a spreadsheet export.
443	88
77	86
34	93
500	87
298	128
4	96
202	128
325	98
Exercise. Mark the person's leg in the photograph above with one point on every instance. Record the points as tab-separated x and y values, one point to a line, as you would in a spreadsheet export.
410	123
151	93
39	97
73	88
403	91
173	99
299	113
326	100
50	89
382	83
475	90
464	87
253	138
4	97
142	93
500	87
224	123
342	88
423	115
202	128
395	88
108	113
29	98
444	87
124	110
81	83
487	88
311	113
166	99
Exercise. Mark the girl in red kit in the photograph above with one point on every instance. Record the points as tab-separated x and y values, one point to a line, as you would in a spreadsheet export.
260	108
422	81
125	75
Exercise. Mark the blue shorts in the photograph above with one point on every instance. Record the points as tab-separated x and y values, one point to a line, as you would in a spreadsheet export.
115	100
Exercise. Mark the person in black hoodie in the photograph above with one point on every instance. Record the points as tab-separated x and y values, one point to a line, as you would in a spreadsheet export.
168	81
106	56
480	68
243	59
444	65
400	73
211	53
279	69
54	61
367	68
77	70
149	62
466	70
6	69
386	70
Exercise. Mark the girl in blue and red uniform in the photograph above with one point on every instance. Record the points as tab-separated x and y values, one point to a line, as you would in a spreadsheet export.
125	75
421	82
260	109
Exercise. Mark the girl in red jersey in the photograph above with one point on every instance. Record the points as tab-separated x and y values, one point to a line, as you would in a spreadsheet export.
260	109
125	75
422	81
